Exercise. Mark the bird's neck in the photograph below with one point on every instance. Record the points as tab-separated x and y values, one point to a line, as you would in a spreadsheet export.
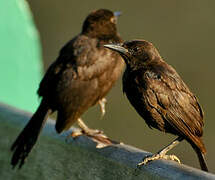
107	38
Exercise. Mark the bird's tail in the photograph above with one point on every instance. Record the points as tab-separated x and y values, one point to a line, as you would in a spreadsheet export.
202	160
200	149
28	137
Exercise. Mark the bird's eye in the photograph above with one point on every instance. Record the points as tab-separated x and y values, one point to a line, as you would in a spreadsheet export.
135	50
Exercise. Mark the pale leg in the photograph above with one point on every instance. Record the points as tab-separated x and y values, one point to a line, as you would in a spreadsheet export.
162	153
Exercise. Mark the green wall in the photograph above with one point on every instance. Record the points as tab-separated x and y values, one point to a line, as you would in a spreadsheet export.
20	55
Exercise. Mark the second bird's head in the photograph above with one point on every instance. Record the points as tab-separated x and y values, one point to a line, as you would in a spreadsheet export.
101	22
136	53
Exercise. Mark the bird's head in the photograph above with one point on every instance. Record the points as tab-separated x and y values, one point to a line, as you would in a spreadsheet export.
136	53
101	23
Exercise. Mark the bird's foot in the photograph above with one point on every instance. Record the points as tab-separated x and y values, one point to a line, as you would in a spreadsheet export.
92	132
159	156
88	132
96	135
102	103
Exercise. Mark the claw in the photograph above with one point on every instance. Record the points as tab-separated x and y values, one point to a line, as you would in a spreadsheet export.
96	135
159	156
162	153
174	158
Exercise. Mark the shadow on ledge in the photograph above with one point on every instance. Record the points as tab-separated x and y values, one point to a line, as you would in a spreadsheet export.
55	158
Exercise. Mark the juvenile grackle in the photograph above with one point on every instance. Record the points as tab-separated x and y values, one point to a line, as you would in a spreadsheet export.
161	97
81	77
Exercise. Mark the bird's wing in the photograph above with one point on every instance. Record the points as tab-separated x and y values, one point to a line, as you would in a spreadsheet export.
170	97
52	76
80	60
78	78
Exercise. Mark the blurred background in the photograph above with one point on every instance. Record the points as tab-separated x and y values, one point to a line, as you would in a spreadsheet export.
183	32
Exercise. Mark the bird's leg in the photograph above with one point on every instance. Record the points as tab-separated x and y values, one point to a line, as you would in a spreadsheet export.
162	153
101	139
102	103
86	130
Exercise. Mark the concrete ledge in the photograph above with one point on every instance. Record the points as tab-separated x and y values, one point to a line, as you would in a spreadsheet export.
55	158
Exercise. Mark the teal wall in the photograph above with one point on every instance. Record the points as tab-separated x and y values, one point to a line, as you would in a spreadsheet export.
20	55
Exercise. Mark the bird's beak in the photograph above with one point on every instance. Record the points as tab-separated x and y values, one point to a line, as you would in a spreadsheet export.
117	47
117	13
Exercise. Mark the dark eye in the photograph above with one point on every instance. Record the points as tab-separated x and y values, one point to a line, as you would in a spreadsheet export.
136	49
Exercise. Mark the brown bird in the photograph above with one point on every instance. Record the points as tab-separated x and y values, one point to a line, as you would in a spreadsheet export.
81	77
161	97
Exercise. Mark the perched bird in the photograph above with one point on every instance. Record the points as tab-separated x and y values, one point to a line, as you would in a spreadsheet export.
81	77
161	97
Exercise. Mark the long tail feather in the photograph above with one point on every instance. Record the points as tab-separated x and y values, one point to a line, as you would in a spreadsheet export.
28	137
200	150
202	160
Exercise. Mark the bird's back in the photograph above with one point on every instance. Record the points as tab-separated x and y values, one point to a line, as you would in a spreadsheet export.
83	73
165	102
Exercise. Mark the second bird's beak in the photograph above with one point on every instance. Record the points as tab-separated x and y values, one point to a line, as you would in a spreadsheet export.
115	17
117	47
117	13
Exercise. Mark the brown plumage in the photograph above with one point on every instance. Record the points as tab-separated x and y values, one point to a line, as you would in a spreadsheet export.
81	76
160	96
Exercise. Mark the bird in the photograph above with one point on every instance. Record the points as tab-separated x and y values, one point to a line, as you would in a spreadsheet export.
78	79
161	98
